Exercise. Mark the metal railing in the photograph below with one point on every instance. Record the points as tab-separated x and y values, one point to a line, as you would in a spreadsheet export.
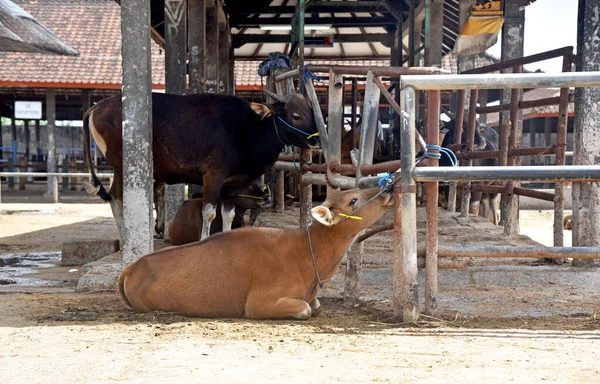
54	176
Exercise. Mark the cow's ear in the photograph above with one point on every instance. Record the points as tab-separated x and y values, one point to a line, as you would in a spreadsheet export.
261	110
324	216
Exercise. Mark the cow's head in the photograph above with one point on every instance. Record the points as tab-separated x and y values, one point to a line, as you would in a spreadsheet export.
479	142
353	210
292	117
254	196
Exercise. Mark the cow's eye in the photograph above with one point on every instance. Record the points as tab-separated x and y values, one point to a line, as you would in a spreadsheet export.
296	116
353	201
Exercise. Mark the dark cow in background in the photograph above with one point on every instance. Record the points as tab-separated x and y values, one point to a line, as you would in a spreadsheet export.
221	142
486	139
187	224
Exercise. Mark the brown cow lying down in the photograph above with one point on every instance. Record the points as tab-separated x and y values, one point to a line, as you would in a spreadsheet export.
187	224
253	272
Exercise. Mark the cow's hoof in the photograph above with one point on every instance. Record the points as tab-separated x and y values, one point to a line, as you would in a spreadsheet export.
315	307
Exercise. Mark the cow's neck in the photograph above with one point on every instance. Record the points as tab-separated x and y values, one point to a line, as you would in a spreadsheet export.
266	146
329	246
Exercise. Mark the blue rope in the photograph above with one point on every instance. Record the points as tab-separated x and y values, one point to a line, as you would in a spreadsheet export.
438	155
308	75
290	126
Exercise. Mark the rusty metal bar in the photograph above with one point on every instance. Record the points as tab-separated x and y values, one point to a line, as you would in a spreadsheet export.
376	70
511	224
546	173
289	74
561	147
458	128
373	231
524	104
466	197
514	152
318	116
565	51
406	301
520	251
431	253
396	108
517	191
344	169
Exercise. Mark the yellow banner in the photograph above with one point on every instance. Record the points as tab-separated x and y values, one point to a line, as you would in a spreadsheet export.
482	25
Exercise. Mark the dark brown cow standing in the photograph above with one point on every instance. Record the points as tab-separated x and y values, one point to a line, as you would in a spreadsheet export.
218	141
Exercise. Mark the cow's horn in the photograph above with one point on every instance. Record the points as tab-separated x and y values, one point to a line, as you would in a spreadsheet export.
277	97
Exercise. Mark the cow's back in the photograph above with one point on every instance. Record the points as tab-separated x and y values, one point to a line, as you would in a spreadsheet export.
195	133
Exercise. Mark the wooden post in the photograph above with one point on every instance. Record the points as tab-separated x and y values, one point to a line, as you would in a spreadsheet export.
73	169
224	42
470	133
138	219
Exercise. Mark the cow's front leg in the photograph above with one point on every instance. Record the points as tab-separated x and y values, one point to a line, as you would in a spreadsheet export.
227	213
210	199
277	308
315	307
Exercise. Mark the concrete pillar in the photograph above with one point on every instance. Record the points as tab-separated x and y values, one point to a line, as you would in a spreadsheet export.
512	47
586	196
175	68
224	43
196	44
434	27
50	128
212	49
138	220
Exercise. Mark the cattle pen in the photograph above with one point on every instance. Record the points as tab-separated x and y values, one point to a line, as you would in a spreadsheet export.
405	244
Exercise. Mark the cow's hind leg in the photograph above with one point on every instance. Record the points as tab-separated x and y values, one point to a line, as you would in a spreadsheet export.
116	203
227	213
212	185
282	308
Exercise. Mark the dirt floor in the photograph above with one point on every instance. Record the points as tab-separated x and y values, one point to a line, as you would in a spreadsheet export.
50	333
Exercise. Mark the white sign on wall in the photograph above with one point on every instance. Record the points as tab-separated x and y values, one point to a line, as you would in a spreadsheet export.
28	109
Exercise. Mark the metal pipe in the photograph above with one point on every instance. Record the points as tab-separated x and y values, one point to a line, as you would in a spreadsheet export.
564	51
561	146
523	104
511	223
335	122
431	253
406	300
376	70
520	251
396	108
501	81
458	128
368	182
314	178
52	174
471	126
517	191
345	169
287	166
576	173
318	116
288	74
343	182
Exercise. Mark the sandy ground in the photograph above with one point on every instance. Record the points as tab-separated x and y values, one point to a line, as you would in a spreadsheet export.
50	334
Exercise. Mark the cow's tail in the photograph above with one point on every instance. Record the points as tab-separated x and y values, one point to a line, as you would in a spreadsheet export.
88	157
121	288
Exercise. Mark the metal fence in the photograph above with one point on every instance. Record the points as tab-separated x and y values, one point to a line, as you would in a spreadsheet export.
335	174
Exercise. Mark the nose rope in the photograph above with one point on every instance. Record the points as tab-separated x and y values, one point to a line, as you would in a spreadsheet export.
387	183
308	135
